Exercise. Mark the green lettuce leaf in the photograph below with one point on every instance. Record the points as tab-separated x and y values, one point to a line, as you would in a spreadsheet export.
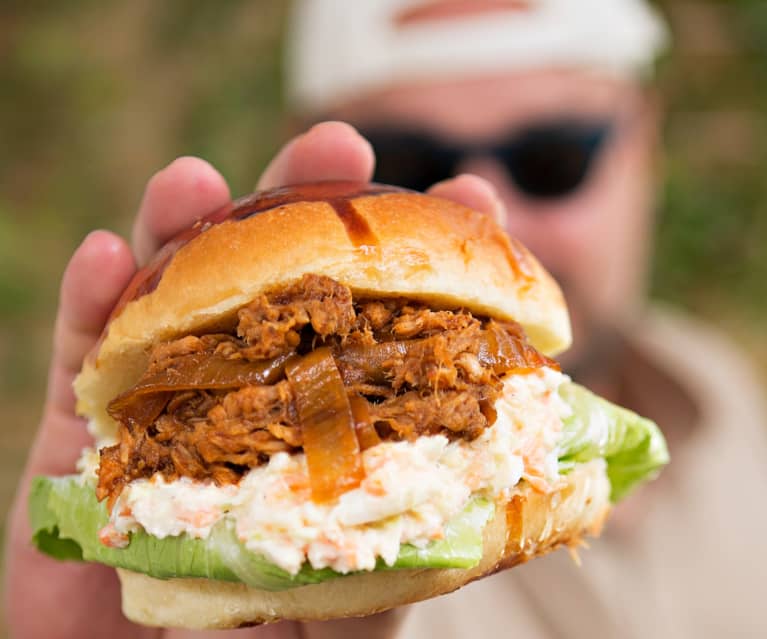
66	519
633	446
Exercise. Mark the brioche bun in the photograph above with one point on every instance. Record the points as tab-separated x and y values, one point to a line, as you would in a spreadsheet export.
379	241
530	525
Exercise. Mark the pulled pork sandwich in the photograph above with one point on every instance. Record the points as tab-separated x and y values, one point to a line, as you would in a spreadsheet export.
329	400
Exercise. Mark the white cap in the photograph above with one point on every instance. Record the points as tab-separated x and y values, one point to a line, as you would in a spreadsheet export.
338	49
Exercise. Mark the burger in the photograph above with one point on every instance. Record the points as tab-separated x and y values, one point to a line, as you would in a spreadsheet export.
328	400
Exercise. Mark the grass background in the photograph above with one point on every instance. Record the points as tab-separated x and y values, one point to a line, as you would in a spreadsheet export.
94	97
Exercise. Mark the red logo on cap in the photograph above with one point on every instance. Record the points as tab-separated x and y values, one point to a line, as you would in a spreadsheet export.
436	10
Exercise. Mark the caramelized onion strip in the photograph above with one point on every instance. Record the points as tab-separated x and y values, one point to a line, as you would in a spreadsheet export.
497	348
142	404
503	352
367	436
327	425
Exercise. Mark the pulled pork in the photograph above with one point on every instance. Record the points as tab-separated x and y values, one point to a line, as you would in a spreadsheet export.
420	371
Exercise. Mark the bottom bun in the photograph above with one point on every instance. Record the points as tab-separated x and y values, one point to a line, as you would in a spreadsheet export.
528	525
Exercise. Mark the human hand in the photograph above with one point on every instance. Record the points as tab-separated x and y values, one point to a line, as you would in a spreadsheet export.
47	598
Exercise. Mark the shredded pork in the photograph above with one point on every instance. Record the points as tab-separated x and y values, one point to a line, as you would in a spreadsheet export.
438	385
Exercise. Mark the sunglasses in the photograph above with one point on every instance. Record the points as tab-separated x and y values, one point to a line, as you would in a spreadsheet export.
550	160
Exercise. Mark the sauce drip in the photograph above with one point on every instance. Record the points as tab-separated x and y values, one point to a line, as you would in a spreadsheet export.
518	261
357	228
516	258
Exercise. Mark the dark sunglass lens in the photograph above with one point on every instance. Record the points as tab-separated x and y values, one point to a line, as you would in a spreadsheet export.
554	161
412	161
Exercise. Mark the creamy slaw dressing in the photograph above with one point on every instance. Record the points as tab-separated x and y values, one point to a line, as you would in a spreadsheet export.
410	491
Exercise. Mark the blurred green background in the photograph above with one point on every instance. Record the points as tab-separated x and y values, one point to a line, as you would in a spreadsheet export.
95	97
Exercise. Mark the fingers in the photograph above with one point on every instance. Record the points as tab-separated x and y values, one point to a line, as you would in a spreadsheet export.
93	281
474	192
328	151
282	630
190	188
381	626
58	600
186	190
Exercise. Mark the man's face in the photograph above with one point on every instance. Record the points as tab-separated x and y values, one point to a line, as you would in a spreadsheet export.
593	237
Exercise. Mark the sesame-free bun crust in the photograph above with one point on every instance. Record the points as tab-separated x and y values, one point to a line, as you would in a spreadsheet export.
531	524
380	242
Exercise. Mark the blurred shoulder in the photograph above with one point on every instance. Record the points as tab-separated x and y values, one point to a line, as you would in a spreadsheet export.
704	360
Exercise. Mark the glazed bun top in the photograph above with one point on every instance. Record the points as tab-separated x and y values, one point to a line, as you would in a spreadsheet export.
379	241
